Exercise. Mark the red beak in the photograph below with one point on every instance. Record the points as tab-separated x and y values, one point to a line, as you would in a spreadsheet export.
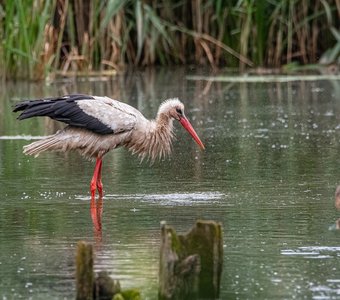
186	124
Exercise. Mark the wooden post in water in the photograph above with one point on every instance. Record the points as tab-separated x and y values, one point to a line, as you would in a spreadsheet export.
84	271
191	265
101	286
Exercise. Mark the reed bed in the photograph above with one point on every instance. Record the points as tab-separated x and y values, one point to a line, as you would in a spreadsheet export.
44	38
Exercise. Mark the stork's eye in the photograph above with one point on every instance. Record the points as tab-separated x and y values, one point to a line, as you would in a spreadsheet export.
179	111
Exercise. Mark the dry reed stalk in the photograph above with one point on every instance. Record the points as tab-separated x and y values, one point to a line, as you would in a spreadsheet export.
104	35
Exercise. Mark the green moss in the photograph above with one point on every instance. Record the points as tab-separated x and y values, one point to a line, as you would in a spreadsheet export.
118	296
176	244
132	294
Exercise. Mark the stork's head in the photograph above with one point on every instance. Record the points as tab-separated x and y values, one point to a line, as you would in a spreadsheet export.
173	108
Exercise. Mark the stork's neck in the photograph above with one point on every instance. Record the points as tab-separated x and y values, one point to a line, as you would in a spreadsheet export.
156	139
163	122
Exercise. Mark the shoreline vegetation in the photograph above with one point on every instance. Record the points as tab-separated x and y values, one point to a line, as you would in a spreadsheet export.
47	39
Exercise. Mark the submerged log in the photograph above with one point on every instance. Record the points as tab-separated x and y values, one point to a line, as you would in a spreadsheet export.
84	271
191	264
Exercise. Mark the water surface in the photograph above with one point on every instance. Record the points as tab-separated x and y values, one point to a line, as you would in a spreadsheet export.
268	175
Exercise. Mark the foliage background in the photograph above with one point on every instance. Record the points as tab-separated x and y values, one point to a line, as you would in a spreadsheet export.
41	38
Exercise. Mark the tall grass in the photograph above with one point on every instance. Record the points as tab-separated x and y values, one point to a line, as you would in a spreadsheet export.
23	35
43	38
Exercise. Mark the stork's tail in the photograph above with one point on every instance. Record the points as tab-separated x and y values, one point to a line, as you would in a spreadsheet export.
50	143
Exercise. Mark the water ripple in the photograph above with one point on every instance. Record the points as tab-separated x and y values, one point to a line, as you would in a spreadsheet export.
21	137
165	199
319	252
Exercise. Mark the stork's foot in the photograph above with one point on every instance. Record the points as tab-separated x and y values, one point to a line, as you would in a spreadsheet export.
98	186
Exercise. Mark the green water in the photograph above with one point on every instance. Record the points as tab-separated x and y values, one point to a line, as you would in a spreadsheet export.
268	175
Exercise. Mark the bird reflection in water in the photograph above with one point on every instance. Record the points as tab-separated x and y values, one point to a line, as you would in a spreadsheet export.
96	208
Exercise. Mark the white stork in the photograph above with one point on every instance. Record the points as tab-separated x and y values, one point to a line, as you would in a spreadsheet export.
97	125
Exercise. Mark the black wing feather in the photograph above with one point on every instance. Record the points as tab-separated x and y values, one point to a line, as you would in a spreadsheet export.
64	109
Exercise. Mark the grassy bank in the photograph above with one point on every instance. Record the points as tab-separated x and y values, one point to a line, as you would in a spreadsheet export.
41	38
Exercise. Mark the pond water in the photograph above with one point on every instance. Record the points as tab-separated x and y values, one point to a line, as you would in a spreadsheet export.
268	174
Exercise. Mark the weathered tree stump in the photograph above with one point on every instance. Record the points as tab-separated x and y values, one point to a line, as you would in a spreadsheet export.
84	271
191	265
98	287
105	287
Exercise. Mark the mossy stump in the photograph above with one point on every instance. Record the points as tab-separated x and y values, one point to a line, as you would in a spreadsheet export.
84	271
105	287
191	265
98	286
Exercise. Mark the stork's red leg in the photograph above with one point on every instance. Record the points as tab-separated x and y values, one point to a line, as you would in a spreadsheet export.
94	180
96	183
99	180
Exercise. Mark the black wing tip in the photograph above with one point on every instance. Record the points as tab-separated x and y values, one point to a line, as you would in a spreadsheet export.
20	106
64	109
24	104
